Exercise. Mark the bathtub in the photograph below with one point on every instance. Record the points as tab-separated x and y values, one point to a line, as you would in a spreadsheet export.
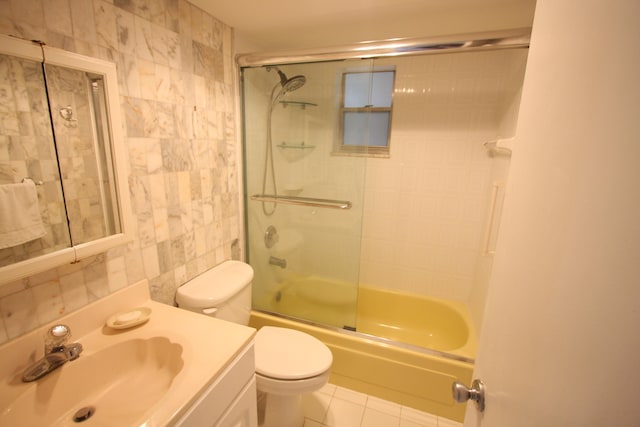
406	348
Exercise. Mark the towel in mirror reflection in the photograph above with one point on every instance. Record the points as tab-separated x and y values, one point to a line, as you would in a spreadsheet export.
20	219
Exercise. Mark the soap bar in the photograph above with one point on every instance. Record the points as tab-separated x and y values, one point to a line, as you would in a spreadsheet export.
129	317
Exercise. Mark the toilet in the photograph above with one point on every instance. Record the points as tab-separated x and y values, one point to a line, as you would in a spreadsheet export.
289	363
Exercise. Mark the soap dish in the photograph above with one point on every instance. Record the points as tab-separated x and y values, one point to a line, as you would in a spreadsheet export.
129	318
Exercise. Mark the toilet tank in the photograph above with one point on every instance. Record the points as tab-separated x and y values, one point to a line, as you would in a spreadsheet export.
223	292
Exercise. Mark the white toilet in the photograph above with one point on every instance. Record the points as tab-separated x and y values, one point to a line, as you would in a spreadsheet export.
289	363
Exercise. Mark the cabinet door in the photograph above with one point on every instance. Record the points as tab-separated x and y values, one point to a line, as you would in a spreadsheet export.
243	411
230	396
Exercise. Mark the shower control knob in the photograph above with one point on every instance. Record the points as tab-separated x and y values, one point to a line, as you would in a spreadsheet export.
461	393
271	237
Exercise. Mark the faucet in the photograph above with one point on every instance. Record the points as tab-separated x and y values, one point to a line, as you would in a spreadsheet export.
280	262
56	353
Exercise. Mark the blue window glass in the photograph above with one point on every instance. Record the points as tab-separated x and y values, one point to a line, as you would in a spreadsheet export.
366	112
368	89
366	129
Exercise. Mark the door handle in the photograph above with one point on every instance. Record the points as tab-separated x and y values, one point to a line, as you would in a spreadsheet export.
462	393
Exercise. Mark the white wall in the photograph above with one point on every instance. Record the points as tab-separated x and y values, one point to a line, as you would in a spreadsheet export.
561	339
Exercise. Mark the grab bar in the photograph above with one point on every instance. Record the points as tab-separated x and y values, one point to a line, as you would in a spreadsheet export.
303	201
494	205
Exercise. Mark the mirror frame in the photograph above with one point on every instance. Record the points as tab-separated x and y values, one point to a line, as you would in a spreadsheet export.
49	55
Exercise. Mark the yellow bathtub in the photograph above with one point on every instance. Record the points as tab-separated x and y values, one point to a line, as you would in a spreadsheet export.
407	349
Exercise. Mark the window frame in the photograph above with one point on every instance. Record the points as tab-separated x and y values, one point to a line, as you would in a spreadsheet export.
363	150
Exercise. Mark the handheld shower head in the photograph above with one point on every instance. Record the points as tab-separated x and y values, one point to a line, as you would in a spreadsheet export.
294	83
289	85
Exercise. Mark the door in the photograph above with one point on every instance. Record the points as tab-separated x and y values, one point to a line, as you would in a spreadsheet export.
561	339
304	204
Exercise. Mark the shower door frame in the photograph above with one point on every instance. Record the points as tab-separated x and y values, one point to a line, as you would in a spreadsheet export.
468	42
320	229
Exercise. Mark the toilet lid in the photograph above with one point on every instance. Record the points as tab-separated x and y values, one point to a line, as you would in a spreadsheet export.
288	354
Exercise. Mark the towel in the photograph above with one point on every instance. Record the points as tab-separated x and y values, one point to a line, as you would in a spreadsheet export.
20	219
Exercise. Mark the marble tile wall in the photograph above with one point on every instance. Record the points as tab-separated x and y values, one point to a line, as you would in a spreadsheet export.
27	150
77	148
175	71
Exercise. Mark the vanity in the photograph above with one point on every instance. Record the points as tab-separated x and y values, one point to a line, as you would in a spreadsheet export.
142	363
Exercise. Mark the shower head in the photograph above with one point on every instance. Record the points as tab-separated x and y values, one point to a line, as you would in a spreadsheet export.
289	85
294	83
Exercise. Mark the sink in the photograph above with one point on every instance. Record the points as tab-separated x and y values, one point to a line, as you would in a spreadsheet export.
100	386
150	374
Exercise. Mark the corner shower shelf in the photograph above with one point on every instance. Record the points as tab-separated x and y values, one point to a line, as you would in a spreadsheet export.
296	146
300	104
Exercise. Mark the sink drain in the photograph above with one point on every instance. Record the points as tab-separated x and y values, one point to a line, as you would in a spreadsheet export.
84	414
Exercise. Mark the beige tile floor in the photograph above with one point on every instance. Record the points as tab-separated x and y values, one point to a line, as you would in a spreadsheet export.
334	406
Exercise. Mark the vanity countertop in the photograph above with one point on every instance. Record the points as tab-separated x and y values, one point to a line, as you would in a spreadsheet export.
189	350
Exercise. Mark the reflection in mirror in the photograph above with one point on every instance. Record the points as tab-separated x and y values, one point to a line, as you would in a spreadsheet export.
84	151
64	192
27	151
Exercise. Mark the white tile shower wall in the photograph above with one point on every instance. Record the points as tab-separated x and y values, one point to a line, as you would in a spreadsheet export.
426	206
499	173
176	83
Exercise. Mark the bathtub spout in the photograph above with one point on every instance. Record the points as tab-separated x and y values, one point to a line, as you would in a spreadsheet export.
280	262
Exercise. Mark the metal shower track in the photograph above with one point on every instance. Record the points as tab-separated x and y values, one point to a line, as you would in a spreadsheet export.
472	42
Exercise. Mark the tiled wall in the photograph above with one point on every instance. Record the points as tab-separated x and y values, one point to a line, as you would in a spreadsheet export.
426	207
78	153
27	150
176	84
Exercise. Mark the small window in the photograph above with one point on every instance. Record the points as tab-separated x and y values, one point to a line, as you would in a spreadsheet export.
365	112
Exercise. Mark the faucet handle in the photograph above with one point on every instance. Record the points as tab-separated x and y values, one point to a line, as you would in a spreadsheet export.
55	337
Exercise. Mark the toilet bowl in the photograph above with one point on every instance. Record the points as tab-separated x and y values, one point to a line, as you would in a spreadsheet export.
289	363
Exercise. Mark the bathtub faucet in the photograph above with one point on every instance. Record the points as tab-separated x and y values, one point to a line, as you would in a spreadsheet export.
280	262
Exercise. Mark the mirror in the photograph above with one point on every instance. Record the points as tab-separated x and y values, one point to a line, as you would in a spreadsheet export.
63	181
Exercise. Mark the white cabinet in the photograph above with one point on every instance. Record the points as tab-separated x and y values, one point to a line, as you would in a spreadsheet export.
230	401
242	412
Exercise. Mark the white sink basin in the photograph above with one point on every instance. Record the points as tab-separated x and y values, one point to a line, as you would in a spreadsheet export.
138	370
148	375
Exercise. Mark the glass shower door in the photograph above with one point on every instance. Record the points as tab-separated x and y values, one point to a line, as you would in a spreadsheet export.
304	201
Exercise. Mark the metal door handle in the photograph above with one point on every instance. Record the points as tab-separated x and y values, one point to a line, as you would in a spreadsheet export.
461	393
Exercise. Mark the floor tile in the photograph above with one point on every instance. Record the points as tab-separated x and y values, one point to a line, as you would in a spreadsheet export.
407	423
373	418
334	406
350	395
315	405
420	418
444	422
343	413
384	406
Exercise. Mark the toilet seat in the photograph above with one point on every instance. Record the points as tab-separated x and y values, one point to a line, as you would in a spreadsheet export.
291	387
287	354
